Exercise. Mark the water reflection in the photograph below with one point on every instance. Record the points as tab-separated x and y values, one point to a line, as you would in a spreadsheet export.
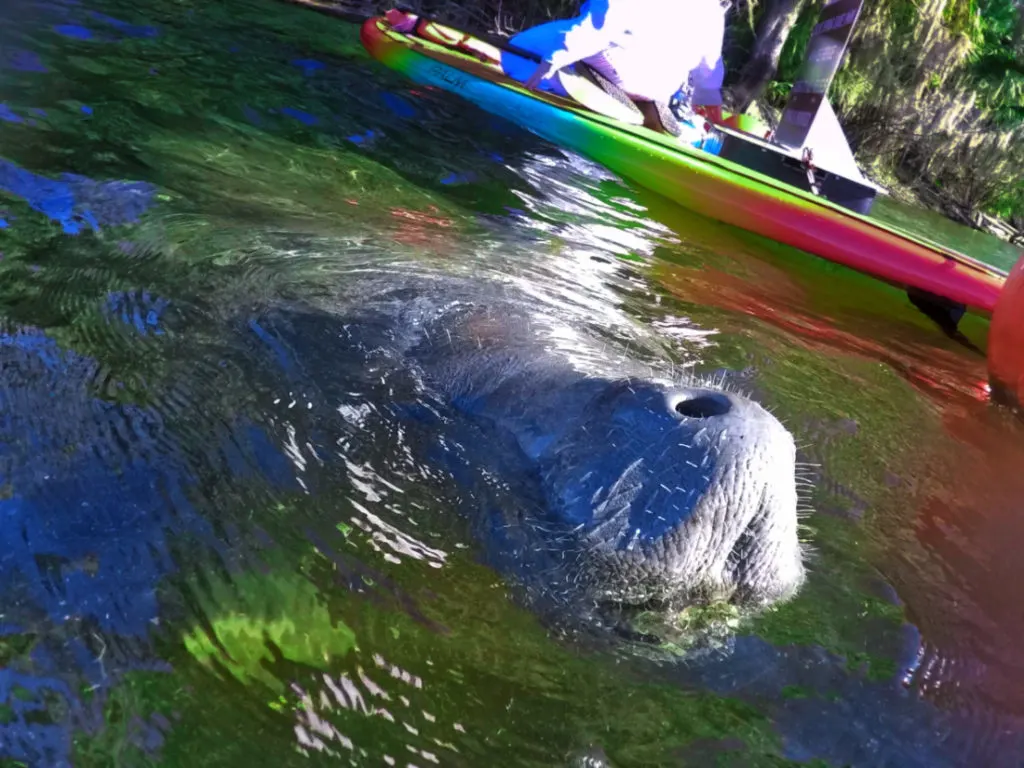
967	527
958	483
90	499
314	732
221	548
76	202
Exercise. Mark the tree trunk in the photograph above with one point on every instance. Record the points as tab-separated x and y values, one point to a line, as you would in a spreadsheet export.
773	28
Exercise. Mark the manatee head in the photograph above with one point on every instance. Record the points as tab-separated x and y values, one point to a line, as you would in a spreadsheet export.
676	494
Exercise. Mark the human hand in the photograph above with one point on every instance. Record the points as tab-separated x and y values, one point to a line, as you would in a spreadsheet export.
538	74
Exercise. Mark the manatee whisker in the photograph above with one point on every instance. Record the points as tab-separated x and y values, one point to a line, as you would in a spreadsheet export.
644	489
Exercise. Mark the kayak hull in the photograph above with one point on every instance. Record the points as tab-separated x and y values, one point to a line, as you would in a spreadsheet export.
709	185
1006	341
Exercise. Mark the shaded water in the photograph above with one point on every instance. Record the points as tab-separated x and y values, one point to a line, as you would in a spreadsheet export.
200	564
938	228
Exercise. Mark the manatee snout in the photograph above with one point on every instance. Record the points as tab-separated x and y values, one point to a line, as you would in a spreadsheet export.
679	494
629	489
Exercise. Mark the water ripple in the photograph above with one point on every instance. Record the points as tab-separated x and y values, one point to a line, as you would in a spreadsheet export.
227	540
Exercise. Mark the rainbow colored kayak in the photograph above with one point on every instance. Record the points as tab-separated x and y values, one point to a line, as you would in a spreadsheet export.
713	186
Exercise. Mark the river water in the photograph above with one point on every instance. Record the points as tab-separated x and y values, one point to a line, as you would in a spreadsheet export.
179	588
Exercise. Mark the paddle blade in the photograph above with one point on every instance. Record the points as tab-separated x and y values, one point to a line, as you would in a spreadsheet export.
592	97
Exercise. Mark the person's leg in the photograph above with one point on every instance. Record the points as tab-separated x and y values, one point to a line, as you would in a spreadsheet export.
545	37
658	117
540	40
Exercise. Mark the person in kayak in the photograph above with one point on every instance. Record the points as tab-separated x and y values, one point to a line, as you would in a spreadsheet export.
647	48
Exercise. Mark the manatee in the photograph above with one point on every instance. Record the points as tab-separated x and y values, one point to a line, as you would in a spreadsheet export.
634	486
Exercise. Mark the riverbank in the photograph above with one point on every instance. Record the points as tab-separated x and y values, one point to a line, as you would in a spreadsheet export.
920	194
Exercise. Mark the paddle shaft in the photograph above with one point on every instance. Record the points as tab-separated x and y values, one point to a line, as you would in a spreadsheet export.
498	42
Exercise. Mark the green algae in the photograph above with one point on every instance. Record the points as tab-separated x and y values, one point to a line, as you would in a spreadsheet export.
516	675
285	615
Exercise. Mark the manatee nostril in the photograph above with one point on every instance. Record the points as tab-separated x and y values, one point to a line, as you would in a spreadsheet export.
704	406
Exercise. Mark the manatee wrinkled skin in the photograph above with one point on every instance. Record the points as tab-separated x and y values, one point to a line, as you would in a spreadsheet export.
648	492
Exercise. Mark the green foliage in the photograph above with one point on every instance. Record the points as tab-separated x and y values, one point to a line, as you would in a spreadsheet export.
793	52
1009	204
997	62
777	92
932	103
902	16
963	17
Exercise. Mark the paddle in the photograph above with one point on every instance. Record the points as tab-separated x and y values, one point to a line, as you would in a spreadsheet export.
587	92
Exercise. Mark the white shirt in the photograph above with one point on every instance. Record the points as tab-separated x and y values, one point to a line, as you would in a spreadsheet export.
652	46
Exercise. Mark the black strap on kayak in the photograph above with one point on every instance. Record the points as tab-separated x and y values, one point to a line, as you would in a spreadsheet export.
807	161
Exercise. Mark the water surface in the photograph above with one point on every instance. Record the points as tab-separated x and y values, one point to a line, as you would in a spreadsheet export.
200	564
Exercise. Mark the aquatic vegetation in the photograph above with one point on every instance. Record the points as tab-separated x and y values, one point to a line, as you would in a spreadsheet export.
272	616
